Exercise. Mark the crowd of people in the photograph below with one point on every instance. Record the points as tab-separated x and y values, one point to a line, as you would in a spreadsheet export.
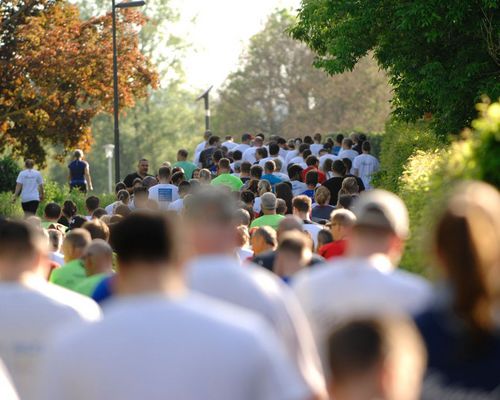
265	269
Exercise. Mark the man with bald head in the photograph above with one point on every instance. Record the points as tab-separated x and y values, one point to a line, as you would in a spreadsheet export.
98	261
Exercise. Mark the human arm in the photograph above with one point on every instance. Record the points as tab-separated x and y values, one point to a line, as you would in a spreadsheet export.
41	191
88	178
17	191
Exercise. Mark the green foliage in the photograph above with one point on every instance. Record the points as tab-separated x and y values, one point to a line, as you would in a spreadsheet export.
277	90
55	193
441	56
431	171
8	208
9	170
399	142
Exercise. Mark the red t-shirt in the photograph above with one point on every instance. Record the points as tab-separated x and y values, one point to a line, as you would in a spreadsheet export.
333	249
321	175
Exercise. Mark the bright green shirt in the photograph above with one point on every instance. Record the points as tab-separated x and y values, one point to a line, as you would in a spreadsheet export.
187	166
231	181
88	285
69	275
268	220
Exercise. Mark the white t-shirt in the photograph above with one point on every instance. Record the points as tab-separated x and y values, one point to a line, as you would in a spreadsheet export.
350	154
157	347
357	287
30	179
298	187
230	145
197	152
256	206
110	209
244	253
164	194
325	157
297	160
258	290
7	391
30	316
364	166
291	154
249	155
282	176
241	147
57	257
176	205
313	230
315	148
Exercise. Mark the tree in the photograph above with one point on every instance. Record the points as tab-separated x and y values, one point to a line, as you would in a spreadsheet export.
441	56
56	73
277	90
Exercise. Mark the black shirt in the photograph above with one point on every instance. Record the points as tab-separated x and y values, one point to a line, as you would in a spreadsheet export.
334	185
206	157
130	178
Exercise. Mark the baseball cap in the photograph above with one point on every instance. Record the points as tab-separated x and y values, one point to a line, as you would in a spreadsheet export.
384	210
268	201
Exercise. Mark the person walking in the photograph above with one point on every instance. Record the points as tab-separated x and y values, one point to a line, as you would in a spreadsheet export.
79	173
29	186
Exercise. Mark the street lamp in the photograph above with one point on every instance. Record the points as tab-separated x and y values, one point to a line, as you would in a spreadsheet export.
116	110
205	96
108	150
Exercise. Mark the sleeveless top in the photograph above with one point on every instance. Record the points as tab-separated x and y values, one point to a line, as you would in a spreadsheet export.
77	171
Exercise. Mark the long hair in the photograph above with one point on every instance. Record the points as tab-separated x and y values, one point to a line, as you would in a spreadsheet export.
467	245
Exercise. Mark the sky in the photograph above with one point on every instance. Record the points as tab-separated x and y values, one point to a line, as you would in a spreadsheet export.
221	30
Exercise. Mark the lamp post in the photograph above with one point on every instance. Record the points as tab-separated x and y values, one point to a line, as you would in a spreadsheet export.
108	150
116	100
205	96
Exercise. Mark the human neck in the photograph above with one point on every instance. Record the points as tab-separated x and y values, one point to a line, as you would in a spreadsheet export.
269	212
149	279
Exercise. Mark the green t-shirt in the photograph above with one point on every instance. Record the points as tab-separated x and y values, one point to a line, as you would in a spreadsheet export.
268	220
88	285
231	181
69	275
187	166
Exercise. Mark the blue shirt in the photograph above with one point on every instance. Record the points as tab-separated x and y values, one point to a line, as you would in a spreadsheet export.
272	179
103	290
77	171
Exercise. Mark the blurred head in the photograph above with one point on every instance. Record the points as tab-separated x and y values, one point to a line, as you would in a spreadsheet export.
23	249
164	174
349	186
324	237
264	187
143	167
281	207
149	182
92	204
97	229
256	172
69	209
146	250
284	191
376	359
55	240
242	217
210	223
141	197
74	244
268	203
245	167
312	179
78	154
382	226
293	253
269	167
288	224
196	173
466	247
322	196
205	176
366	147
123	196
338	139
224	166
338	168
29	164
98	258
120	186
182	155
263	239
178	177
295	172
312	161
243	237
341	224
52	212
301	206
347	144
99	213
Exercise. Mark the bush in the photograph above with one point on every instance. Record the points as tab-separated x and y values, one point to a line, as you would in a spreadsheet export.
429	174
8	208
9	170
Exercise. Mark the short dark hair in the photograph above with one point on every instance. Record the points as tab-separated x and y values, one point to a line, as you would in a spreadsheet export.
99	212
338	167
237	155
274	149
69	208
178	177
366	146
20	240
247	196
269	166
184	187
318	137
312	177
140	190
308	139
92	203
120	186
52	210
295	170
245	167
311	160
302	203
29	163
143	237
256	171
76	222
213	140
183	153
347	164
224	164
303	147
164	172
218	155
339	138
261	151
306	153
